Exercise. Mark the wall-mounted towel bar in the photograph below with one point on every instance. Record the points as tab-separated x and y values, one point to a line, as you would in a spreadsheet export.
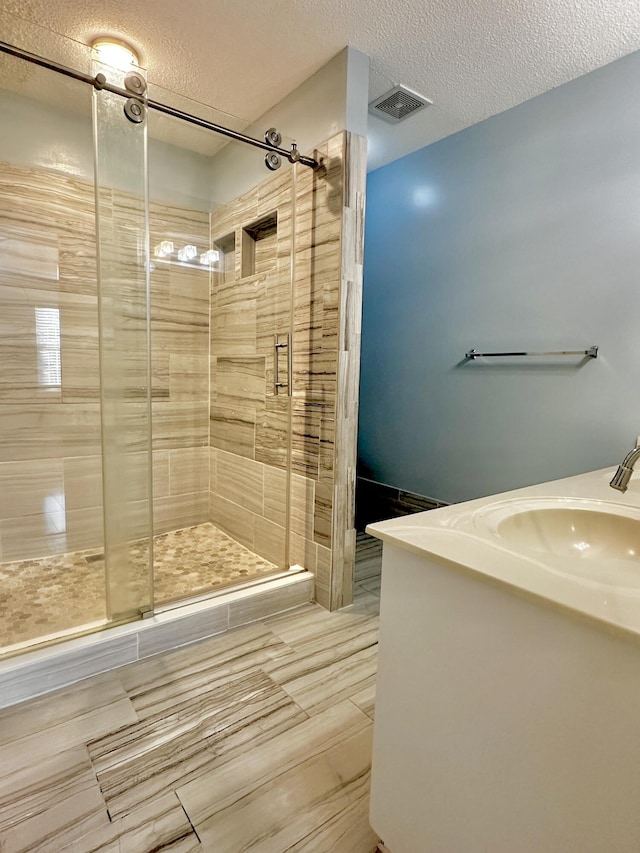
592	352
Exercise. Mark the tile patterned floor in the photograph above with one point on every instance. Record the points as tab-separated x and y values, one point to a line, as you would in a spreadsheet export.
256	740
368	570
61	592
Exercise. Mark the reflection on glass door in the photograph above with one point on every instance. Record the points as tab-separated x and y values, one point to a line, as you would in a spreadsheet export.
52	575
220	294
123	296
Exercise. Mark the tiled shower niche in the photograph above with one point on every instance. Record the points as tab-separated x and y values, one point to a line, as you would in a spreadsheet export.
259	246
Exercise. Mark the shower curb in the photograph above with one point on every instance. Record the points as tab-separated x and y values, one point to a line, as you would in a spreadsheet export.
38	672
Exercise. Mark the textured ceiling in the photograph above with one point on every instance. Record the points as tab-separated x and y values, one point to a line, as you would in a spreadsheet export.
473	59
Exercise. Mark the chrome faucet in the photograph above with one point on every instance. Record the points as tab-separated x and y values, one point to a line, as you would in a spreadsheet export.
622	476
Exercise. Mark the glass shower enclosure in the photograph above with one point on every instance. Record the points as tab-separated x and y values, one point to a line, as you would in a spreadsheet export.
146	304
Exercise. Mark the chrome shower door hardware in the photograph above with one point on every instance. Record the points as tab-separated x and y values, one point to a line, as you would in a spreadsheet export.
277	346
135	84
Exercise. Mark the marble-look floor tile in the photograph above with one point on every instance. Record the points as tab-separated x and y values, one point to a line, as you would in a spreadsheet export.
368	558
48	784
49	799
347	831
365	700
58	722
213	725
149	683
371	585
365	603
326	668
316	689
229	783
180	742
160	825
314	622
69	708
189	718
277	813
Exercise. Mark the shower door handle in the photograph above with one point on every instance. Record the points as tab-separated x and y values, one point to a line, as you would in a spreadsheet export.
277	346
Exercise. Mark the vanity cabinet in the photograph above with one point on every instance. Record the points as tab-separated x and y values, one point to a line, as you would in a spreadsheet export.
506	721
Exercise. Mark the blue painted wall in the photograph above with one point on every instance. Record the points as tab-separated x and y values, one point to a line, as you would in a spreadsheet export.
522	232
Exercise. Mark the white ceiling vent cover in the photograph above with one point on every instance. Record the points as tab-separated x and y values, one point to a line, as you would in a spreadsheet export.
398	104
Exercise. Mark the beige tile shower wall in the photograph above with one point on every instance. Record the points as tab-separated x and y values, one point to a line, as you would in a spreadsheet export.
50	444
180	372
250	300
319	216
349	336
248	423
48	422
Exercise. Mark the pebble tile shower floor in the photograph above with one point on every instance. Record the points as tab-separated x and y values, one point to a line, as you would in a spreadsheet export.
50	594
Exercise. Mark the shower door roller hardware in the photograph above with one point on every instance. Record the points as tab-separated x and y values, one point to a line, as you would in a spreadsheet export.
134	110
135	83
273	137
100	82
277	346
272	161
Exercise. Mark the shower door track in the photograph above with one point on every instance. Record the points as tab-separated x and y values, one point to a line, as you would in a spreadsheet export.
187	600
99	82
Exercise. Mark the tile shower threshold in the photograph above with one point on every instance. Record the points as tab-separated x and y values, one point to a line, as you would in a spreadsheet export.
45	669
165	606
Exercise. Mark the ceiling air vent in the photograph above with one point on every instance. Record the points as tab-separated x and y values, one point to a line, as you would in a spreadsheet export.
398	104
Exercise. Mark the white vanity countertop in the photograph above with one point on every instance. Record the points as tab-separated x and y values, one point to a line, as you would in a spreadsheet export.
464	535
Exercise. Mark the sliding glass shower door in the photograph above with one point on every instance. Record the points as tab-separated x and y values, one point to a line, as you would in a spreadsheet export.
49	376
74	412
123	302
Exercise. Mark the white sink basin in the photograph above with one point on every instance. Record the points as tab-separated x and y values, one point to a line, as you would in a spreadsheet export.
593	540
584	533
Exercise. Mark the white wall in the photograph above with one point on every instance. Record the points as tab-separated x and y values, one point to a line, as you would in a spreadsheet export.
37	134
333	99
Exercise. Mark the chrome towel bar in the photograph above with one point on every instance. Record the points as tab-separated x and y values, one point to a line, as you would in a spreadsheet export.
592	352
